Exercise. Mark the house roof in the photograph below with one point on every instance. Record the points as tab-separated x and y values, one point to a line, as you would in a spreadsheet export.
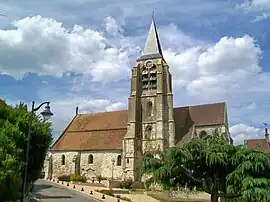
100	121
262	144
106	130
186	118
91	140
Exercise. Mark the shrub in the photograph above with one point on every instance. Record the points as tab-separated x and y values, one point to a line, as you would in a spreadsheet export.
77	178
64	178
126	184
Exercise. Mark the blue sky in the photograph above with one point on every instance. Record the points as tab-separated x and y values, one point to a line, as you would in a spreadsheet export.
80	52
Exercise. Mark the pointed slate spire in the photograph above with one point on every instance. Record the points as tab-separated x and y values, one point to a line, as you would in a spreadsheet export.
152	48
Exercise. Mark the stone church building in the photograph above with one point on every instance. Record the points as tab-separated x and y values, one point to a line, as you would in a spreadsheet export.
110	144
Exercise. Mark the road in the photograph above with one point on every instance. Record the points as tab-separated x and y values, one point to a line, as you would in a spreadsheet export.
49	192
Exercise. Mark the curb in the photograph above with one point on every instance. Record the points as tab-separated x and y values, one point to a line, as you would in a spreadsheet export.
82	190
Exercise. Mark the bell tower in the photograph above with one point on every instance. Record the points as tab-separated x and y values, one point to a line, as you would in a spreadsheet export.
150	107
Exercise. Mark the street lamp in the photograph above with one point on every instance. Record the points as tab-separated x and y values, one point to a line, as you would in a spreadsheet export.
46	115
113	161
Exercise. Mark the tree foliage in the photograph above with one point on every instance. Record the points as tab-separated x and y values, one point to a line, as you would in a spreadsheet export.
215	166
13	140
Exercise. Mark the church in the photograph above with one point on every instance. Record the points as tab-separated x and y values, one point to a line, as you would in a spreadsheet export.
110	144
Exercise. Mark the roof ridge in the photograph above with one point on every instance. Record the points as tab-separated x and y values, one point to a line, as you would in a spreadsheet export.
207	104
101	129
104	112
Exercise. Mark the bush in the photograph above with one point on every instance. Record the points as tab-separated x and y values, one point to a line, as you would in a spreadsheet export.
126	184
77	178
64	178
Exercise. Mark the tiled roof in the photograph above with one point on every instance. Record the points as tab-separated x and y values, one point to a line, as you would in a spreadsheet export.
100	121
93	140
199	115
106	130
261	144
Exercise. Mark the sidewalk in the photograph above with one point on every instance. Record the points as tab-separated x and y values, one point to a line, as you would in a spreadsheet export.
86	189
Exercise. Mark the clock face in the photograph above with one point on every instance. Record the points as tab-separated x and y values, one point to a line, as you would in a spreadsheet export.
148	63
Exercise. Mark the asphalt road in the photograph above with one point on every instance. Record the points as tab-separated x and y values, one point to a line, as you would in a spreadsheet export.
49	192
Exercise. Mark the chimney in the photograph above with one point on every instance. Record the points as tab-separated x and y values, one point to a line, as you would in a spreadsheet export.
77	110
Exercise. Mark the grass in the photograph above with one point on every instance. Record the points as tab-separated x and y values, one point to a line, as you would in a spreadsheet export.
110	193
164	197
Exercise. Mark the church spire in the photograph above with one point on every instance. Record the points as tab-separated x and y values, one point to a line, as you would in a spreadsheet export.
152	48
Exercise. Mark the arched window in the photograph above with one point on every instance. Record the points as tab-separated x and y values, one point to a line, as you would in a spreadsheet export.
127	160
148	131
203	134
90	159
118	162
63	159
149	108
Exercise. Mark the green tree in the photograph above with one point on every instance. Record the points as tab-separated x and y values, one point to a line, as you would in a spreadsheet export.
251	176
210	164
13	140
10	164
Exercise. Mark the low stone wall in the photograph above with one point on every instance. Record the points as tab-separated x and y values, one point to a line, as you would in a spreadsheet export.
190	195
112	184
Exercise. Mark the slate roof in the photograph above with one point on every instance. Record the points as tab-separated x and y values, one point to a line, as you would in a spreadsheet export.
106	130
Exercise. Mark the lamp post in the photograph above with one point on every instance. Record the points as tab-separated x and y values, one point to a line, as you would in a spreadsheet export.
113	161
46	115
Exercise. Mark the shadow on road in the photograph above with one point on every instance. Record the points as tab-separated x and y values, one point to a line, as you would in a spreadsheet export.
38	187
40	196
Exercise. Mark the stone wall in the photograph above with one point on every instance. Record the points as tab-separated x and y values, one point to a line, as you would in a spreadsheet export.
210	129
57	168
101	166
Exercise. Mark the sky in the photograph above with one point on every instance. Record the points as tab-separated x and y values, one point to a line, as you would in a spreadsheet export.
81	52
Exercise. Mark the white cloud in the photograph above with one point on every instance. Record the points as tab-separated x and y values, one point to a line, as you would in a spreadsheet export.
171	34
112	27
225	70
242	131
229	66
257	6
261	17
43	46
